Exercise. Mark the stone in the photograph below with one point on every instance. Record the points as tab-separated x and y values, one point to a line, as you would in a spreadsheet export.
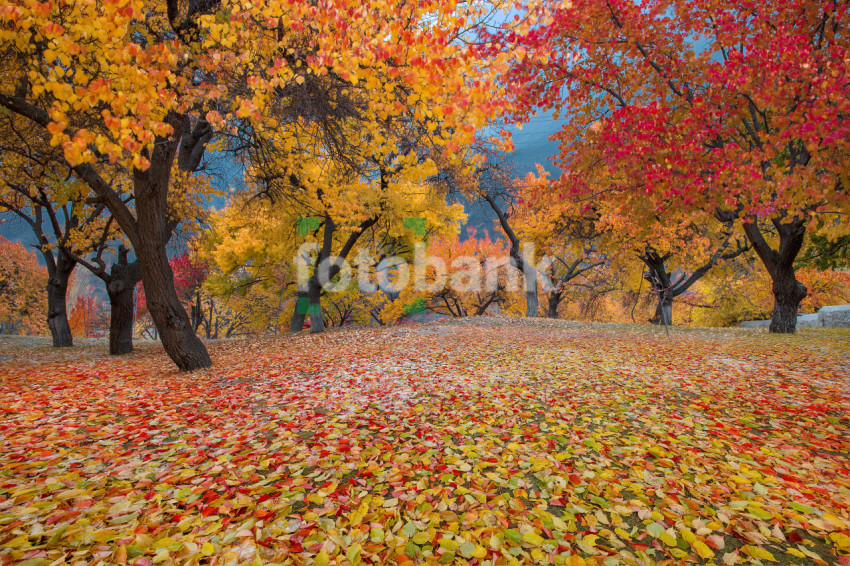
755	324
808	321
803	321
837	316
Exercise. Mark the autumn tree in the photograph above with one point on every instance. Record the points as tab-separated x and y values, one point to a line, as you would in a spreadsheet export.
258	241
565	233
35	188
149	85
702	106
479	277
120	279
23	300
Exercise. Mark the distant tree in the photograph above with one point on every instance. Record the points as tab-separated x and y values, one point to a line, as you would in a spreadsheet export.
88	316
23	299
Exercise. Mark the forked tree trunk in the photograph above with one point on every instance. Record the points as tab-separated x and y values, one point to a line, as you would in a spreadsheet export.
175	329
532	304
57	307
787	291
308	302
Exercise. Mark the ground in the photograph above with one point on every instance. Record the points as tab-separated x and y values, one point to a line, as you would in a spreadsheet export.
492	441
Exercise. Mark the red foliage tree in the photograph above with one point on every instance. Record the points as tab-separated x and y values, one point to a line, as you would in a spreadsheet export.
737	109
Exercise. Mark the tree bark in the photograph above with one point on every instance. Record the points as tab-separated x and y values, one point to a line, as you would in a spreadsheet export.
175	329
57	308
554	303
167	312
314	295
787	295
664	310
299	315
120	318
120	286
787	291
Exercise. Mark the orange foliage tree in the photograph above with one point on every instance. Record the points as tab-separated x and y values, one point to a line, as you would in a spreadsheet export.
23	299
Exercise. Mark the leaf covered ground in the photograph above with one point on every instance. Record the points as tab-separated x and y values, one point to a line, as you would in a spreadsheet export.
489	442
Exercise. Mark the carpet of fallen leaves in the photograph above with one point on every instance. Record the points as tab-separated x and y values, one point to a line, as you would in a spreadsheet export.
488	442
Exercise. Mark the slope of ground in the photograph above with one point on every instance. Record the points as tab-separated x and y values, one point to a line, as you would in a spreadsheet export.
485	442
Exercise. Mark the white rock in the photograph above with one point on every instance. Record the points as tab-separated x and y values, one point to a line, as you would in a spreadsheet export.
755	324
837	316
808	321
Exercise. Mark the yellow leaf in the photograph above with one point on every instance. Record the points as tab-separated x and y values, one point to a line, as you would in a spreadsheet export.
590	540
18	542
355	518
702	549
758	552
322	559
835	520
533	538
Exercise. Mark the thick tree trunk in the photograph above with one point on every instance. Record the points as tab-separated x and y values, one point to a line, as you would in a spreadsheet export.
120	317
663	311
532	304
787	295
554	303
787	291
57	308
120	286
175	329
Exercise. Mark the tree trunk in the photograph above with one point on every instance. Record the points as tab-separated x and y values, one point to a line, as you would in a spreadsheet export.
314	294
532	305
299	315
120	286
120	317
554	302
175	329
57	308
664	310
787	295
787	291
